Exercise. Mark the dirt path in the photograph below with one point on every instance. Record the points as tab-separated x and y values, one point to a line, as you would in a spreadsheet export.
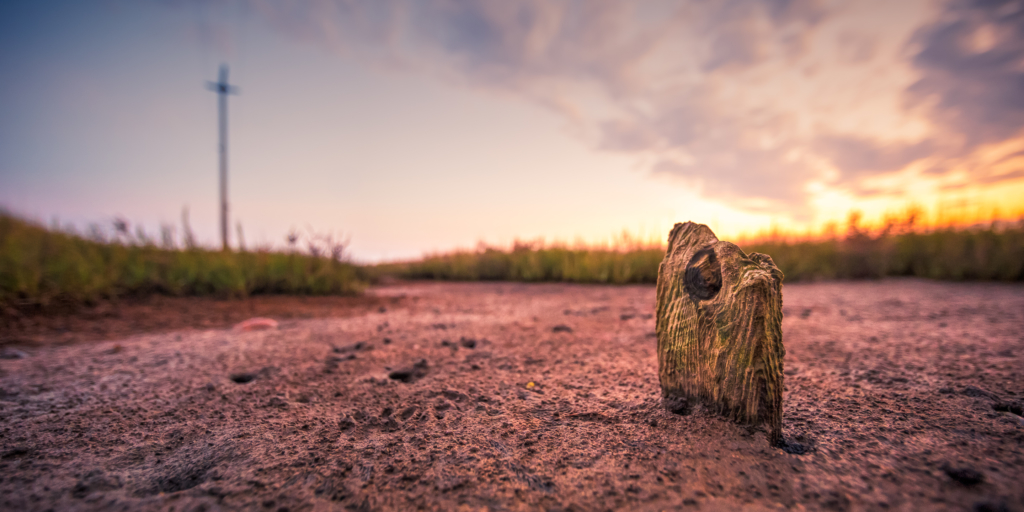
901	395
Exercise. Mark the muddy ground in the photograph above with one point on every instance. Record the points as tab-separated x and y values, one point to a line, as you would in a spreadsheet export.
900	395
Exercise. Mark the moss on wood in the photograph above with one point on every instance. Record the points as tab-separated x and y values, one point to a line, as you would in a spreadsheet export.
720	329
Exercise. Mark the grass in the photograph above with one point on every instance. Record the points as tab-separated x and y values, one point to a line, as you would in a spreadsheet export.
41	267
531	263
990	253
987	254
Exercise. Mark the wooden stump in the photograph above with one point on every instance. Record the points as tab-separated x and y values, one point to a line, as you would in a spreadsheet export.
720	329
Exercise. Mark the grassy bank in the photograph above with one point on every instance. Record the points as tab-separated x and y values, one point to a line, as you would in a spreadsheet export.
39	267
533	264
949	254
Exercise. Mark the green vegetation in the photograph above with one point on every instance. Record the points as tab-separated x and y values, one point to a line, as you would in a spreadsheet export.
530	263
990	253
948	253
40	267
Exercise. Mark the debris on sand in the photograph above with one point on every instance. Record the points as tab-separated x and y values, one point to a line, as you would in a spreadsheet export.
346	422
467	342
1016	408
360	345
94	481
794	448
408	412
255	324
12	353
976	392
561	328
963	475
410	374
243	378
16	451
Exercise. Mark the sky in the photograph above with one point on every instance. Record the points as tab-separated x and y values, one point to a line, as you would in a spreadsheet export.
418	126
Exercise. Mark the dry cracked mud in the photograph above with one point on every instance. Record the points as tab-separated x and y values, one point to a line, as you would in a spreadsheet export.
899	394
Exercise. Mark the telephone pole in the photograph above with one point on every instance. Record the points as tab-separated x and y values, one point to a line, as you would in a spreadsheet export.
223	89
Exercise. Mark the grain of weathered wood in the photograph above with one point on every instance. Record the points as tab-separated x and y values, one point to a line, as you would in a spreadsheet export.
719	324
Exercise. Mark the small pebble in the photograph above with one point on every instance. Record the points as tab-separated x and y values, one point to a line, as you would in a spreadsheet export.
964	475
12	353
256	324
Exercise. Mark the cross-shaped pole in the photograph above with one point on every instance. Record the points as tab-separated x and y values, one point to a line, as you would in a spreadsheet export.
223	89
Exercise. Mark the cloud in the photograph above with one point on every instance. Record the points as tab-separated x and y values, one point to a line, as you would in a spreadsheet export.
636	78
972	70
859	157
753	101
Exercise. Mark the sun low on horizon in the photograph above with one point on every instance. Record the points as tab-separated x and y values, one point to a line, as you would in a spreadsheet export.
416	127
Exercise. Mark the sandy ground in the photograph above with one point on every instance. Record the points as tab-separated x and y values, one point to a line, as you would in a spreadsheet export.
61	324
900	395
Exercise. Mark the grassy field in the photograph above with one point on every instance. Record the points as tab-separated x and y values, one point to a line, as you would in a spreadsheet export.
40	267
533	263
989	253
947	254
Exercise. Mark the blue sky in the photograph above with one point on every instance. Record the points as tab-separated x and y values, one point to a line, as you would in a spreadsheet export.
422	126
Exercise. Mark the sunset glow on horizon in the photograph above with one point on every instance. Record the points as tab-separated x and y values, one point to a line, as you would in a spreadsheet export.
418	127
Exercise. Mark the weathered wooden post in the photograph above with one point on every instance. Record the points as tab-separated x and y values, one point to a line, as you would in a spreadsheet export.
720	329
